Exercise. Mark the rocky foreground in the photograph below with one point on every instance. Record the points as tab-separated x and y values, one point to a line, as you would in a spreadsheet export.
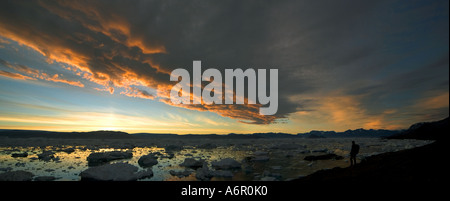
420	164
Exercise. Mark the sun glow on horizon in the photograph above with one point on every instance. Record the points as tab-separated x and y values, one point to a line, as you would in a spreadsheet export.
71	66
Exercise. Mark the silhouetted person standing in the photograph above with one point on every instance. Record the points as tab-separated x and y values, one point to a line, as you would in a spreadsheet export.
353	153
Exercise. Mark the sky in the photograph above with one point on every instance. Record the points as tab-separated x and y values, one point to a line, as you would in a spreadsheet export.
105	65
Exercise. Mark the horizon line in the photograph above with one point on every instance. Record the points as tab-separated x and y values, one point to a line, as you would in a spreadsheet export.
129	133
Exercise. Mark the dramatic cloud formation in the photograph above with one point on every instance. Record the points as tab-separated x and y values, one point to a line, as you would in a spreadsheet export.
32	74
372	64
14	75
101	45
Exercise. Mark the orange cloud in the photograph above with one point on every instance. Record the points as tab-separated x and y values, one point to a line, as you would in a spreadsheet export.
435	102
4	41
34	73
58	49
338	111
15	75
56	78
102	47
21	68
248	114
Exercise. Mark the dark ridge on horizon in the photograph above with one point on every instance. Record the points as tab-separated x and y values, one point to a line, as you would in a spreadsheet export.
421	131
121	135
435	130
64	135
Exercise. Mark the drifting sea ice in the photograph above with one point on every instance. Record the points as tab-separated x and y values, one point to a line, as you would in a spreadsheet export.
259	159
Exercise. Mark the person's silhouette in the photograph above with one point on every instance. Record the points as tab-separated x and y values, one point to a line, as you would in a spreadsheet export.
353	152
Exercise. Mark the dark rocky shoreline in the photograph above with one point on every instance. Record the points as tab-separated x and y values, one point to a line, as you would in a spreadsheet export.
421	164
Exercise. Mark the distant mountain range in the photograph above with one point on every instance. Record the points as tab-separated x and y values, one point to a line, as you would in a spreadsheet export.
124	135
436	130
63	135
416	131
351	133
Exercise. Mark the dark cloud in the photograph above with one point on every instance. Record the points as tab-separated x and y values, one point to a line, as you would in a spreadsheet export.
319	47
